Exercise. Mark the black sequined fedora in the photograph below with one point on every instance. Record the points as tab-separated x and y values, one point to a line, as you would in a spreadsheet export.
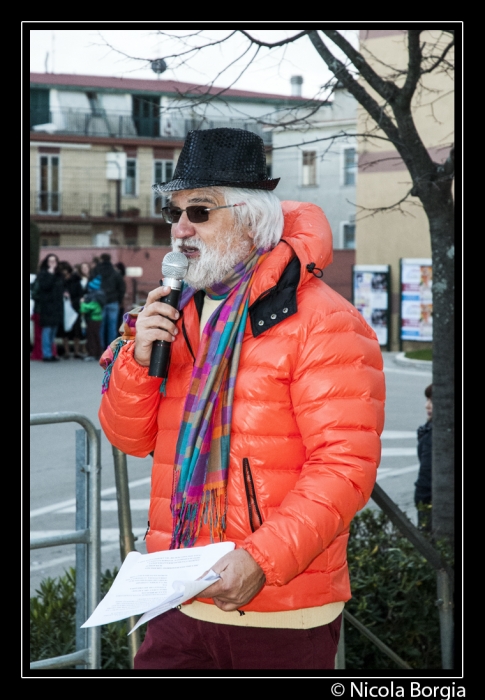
220	158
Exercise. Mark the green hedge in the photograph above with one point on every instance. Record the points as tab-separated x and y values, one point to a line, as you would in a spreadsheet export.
53	619
393	594
393	588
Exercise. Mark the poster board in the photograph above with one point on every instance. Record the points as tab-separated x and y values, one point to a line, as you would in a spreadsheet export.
371	289
416	299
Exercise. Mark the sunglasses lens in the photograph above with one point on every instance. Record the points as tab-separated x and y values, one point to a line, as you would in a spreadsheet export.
197	215
171	216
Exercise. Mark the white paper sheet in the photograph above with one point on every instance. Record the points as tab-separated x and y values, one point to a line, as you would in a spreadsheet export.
151	584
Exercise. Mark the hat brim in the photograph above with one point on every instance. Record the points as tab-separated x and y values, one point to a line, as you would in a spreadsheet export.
180	184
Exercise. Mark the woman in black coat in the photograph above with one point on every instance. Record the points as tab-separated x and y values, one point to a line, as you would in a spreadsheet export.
74	290
49	286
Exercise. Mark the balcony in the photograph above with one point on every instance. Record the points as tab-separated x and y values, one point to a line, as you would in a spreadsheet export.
86	205
68	121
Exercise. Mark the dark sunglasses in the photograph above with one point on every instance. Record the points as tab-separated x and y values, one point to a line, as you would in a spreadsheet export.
195	214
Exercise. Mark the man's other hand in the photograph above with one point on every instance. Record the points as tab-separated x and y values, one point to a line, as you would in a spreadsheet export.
241	578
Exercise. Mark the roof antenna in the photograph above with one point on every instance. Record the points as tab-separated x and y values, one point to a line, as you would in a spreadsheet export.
46	61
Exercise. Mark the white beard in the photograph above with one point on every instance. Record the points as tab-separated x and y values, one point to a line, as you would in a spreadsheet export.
212	265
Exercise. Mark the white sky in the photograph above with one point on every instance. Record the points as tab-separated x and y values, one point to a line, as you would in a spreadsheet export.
84	50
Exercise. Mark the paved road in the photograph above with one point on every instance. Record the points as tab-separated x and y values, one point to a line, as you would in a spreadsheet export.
74	385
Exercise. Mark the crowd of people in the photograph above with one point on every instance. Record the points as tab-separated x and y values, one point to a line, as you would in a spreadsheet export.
81	305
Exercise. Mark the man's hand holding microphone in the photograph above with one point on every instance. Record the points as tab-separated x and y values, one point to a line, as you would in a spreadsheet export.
155	325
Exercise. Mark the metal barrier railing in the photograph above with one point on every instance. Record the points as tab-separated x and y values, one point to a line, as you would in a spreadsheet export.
86	537
127	540
445	580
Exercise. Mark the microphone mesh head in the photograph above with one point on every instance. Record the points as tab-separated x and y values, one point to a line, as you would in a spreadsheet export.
175	265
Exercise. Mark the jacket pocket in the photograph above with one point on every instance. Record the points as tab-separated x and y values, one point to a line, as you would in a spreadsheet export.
255	519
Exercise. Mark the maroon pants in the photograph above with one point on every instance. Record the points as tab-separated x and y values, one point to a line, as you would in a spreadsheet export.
93	341
175	641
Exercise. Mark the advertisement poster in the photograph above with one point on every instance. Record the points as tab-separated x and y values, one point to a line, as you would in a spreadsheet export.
416	299
371	290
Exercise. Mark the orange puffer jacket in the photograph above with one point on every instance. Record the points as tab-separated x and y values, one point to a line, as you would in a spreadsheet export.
307	417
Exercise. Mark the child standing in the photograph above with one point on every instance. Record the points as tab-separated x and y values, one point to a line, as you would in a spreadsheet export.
93	313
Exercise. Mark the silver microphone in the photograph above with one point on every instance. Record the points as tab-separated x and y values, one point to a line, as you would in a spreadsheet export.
174	269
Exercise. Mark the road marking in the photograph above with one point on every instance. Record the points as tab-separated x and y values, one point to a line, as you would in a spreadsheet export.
398	435
110	540
417	373
112	505
398	452
72	501
384	473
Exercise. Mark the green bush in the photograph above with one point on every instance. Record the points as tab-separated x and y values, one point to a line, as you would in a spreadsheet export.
53	619
393	594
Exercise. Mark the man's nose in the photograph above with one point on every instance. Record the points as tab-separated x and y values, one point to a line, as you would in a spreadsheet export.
183	228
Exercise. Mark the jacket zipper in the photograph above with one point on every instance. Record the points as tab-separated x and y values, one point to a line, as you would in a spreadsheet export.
255	519
185	334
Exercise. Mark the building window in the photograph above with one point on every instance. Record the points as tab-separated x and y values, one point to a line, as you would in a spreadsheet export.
131	234
309	171
130	180
39	107
162	172
348	235
49	196
161	234
49	238
146	114
349	166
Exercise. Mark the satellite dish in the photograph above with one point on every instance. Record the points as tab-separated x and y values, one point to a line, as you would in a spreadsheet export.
158	65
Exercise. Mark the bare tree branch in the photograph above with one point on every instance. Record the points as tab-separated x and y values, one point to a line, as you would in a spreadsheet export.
372	211
360	94
414	69
384	88
272	45
440	59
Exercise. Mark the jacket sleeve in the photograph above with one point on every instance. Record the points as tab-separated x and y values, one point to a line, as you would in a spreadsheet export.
129	408
337	392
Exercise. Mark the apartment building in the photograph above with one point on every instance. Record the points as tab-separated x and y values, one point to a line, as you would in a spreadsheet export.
400	232
97	144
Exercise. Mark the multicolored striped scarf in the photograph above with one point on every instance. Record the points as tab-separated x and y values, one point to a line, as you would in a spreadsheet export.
202	452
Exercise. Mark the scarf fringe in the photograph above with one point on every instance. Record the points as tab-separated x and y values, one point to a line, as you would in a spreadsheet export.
190	517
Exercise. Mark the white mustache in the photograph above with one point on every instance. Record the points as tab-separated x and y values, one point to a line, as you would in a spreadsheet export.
180	245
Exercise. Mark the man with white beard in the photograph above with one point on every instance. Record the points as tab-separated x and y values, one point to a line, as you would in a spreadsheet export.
266	432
